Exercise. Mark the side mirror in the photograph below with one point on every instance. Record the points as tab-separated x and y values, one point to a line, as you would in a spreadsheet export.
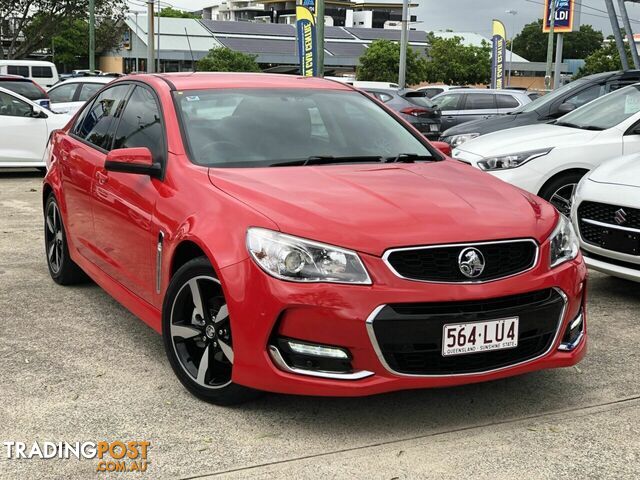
138	161
565	108
443	147
38	112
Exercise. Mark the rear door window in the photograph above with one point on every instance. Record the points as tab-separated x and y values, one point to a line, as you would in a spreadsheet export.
480	101
63	93
506	101
88	90
25	88
97	124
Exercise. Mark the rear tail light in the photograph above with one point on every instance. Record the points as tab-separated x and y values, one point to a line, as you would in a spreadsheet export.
416	112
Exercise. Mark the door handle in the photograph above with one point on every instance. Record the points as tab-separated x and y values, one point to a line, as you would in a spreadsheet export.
102	177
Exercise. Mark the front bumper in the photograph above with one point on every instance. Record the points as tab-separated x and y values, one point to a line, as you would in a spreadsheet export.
333	314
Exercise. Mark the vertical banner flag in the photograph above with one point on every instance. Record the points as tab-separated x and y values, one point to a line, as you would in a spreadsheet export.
499	55
307	42
567	12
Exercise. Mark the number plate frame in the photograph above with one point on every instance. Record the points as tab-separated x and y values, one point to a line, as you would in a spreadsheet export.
483	327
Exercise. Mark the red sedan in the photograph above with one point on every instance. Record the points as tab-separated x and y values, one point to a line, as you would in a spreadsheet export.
294	235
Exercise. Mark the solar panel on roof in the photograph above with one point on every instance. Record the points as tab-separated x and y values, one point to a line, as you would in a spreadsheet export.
259	45
343	49
250	28
336	32
388	34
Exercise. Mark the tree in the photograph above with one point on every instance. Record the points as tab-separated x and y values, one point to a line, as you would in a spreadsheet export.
226	60
71	44
531	42
453	63
175	13
605	59
381	63
34	23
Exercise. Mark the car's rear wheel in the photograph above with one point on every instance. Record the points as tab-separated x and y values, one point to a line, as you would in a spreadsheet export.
559	191
62	268
197	335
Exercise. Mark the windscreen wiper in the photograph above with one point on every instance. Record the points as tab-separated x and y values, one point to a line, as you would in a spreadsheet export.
409	158
328	160
580	127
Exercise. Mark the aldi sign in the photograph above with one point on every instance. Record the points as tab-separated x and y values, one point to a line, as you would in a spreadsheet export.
567	14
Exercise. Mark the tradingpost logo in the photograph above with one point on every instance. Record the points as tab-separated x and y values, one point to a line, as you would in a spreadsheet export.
117	456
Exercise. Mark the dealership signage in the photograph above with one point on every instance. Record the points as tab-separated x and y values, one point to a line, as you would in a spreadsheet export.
567	16
499	56
307	41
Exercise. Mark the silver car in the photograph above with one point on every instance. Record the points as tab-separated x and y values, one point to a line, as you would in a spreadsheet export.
465	105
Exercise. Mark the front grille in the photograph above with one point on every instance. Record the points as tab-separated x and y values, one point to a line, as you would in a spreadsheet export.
601	212
409	336
441	263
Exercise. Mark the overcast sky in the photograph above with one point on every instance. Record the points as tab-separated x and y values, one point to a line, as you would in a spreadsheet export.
475	15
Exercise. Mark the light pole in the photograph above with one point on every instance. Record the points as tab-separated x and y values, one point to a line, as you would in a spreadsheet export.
513	36
92	35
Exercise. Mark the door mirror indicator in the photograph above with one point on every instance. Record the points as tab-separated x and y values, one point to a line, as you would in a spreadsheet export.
137	161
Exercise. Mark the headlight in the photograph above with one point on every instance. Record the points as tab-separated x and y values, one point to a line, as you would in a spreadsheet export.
564	243
457	140
514	160
295	259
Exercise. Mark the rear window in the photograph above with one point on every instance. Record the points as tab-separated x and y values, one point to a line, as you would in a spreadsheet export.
419	98
21	70
41	72
26	89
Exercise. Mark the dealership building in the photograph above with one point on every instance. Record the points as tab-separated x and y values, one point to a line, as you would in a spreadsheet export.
179	42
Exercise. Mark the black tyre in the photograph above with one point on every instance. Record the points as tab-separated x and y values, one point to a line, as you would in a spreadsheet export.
559	191
197	335
62	268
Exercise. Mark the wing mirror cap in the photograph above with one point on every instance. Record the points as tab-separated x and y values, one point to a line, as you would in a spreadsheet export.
138	160
565	108
443	147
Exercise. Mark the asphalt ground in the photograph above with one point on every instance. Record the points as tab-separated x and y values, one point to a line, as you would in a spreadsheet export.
76	366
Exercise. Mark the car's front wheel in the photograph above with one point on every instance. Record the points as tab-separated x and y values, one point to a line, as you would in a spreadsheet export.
559	191
197	335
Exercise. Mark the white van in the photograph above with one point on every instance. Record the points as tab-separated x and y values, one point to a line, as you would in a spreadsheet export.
43	73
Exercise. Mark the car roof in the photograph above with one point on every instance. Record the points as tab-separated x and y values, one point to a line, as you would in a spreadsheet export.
224	80
26	62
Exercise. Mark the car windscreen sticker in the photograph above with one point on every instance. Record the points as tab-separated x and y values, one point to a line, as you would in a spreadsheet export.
193	98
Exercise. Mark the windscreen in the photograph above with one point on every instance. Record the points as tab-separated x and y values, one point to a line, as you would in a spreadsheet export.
26	89
254	128
605	112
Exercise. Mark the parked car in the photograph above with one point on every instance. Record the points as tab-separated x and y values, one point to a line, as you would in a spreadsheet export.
550	159
24	129
346	260
546	108
606	213
43	73
70	95
414	107
433	90
460	106
365	85
27	88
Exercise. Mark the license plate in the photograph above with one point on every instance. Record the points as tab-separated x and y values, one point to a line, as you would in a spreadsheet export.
621	241
434	127
477	337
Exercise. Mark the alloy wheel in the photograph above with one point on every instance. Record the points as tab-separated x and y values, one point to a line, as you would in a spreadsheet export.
54	238
562	198
200	332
